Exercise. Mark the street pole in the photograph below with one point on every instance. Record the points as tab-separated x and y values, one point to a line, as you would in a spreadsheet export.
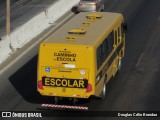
8	18
8	24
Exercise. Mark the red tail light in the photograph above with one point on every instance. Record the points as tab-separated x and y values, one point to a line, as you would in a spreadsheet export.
40	85
89	88
81	4
94	4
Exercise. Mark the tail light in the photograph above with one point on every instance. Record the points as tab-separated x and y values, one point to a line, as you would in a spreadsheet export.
81	4
89	88
94	4
40	85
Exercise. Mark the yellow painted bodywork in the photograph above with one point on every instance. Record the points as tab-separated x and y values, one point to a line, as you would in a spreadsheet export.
67	55
77	58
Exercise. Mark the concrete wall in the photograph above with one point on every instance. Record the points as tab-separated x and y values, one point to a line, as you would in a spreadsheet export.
23	34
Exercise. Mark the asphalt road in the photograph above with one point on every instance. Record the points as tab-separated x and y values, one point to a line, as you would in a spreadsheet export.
135	88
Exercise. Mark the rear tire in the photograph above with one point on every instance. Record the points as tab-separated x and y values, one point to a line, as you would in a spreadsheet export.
74	101
119	64
56	100
102	8
103	94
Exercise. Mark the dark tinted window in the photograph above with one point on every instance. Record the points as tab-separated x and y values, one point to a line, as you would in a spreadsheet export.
104	49
115	35
110	41
122	30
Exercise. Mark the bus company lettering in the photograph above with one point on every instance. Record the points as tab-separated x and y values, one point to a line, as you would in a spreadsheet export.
65	57
61	82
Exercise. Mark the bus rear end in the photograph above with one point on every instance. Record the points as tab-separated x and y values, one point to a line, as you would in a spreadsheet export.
65	70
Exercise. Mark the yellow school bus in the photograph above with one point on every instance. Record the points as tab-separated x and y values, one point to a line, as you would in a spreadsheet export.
79	58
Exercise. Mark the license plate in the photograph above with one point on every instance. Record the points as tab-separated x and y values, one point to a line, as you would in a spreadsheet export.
63	82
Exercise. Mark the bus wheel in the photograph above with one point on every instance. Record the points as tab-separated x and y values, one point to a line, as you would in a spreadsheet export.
56	100
103	94
119	64
102	8
74	101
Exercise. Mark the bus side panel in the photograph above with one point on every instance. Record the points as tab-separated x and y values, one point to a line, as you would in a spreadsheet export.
112	60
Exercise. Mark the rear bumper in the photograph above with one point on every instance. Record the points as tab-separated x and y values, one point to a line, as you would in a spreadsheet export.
86	10
65	95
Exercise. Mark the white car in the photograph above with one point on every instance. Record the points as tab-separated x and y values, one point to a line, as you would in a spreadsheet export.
90	6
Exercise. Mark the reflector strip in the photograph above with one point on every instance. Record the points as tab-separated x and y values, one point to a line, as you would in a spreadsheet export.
65	106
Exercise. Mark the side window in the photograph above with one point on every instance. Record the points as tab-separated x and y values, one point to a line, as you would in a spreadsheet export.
102	53
104	49
122	31
99	56
110	41
115	37
119	34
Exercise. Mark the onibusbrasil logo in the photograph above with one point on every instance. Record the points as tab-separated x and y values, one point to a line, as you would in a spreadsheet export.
21	114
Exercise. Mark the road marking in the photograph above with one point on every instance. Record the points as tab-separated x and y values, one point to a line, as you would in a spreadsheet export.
139	60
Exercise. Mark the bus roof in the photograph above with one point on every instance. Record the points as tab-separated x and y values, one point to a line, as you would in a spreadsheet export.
82	31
